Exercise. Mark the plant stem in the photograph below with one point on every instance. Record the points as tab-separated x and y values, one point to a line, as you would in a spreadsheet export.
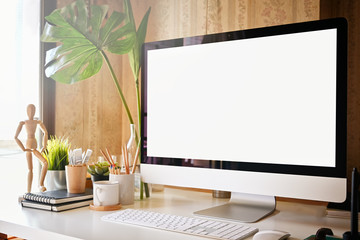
147	194
138	103
118	87
128	110
120	92
139	128
141	190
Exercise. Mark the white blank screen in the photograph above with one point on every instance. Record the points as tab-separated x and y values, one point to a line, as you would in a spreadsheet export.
261	100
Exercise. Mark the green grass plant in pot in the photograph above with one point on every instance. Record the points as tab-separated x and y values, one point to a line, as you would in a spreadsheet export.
57	156
99	171
85	34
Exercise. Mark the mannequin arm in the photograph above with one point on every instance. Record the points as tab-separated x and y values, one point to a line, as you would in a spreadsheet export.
21	124
45	137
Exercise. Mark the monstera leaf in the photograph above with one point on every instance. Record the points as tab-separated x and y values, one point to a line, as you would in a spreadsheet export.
84	38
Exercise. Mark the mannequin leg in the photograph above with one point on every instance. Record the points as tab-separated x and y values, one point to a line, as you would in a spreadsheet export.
44	168
30	171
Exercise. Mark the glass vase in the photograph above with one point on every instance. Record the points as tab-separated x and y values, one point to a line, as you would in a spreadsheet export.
131	146
131	149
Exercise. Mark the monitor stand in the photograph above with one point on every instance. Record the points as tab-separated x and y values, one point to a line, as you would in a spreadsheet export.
242	207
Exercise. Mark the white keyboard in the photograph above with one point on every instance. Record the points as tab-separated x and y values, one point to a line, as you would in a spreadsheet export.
189	225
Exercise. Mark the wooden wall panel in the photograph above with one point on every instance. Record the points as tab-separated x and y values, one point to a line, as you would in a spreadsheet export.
306	10
228	15
174	19
273	12
90	113
69	119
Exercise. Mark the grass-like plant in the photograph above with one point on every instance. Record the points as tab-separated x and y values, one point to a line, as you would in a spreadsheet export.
57	153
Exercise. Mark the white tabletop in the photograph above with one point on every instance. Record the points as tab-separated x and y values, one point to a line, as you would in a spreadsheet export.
300	219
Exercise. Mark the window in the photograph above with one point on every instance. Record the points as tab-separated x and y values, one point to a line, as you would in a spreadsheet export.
19	86
19	75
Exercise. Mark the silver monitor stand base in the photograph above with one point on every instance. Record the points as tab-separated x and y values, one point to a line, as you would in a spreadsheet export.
242	207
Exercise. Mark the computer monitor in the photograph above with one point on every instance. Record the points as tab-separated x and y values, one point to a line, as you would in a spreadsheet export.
259	112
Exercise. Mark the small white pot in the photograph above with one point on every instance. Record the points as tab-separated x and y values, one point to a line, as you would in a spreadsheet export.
55	180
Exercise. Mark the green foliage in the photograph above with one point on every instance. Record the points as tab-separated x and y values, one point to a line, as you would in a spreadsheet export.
84	38
57	153
135	53
140	35
99	169
84	35
135	60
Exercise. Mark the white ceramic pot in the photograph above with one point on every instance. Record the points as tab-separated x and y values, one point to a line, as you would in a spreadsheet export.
55	180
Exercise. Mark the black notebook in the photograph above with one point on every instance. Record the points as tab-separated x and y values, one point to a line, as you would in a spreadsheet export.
58	196
55	207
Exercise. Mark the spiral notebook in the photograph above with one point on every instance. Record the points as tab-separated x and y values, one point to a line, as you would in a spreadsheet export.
58	196
56	207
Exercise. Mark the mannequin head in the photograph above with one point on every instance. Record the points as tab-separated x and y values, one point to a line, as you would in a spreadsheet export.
31	111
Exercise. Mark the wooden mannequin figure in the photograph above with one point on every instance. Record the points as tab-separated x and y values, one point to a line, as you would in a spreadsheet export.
31	145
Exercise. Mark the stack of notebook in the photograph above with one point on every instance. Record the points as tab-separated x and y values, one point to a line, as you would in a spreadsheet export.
58	200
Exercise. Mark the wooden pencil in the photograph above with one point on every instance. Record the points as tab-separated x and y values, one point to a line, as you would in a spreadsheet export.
109	155
121	162
126	160
104	155
135	159
123	154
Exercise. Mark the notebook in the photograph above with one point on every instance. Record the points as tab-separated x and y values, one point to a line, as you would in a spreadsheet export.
58	196
55	207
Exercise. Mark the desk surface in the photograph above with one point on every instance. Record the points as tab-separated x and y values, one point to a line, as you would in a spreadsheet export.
300	219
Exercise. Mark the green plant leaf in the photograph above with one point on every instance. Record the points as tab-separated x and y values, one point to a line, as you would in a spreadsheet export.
57	153
135	53
99	171
83	39
91	169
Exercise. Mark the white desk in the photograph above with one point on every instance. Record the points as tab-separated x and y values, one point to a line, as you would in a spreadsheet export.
301	220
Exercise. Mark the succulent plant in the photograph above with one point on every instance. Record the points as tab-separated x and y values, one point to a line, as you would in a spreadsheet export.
99	169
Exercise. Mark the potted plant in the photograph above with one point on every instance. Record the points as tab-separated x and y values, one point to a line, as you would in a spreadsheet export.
85	39
57	156
99	171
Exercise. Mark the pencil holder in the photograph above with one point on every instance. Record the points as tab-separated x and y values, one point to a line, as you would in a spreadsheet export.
75	178
126	187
